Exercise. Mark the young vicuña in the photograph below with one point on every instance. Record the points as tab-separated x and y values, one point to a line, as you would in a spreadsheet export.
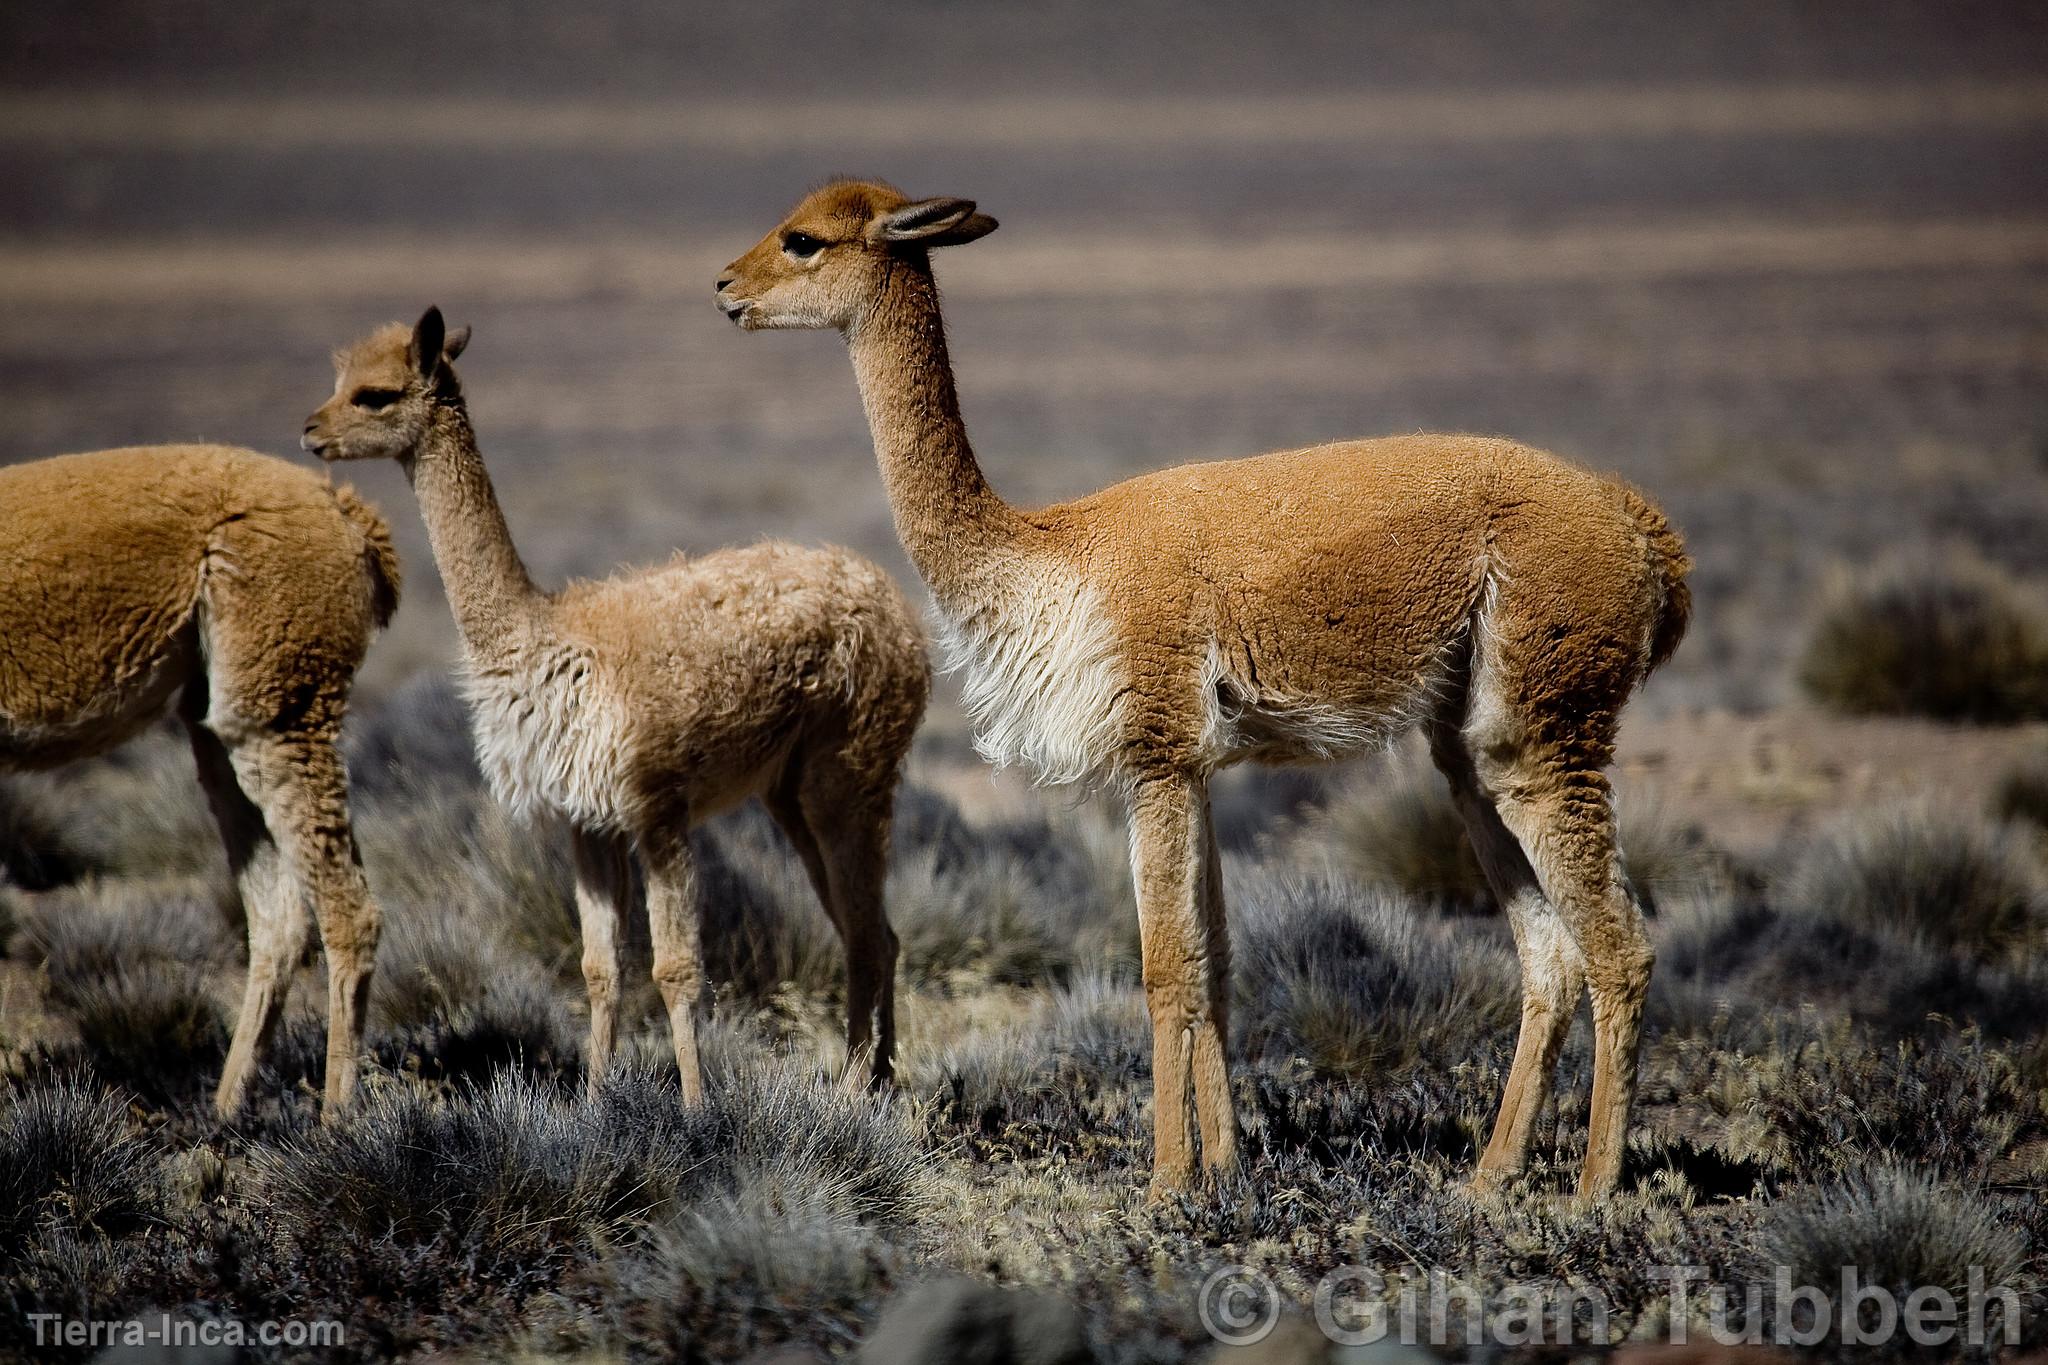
632	708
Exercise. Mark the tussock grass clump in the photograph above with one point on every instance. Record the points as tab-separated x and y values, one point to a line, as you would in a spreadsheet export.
1739	969
1062	1079
1955	642
457	854
136	812
84	935
432	1214
737	1274
71	1160
1363	985
1397	829
2022	795
83	1224
1901	1229
155	1029
457	1002
1831	1105
34	852
1953	880
763	926
423	1217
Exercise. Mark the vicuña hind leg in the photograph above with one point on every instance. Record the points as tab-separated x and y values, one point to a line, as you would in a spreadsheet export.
1553	975
1170	856
1218	1122
298	782
273	910
604	887
841	831
674	924
1563	816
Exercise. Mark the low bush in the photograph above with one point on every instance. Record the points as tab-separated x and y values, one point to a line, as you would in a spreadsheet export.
1954	880
1397	829
34	852
85	935
1954	642
2022	794
1742	968
156	1029
70	1159
1363	985
1899	1229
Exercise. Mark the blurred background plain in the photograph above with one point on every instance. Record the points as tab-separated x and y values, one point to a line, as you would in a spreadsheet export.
1784	265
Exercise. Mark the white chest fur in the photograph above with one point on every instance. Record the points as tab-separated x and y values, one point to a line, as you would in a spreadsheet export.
550	737
1040	672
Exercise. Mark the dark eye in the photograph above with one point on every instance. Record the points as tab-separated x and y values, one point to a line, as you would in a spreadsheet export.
376	399
801	245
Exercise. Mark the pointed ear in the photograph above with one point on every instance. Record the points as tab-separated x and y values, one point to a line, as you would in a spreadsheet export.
932	222
457	342
429	334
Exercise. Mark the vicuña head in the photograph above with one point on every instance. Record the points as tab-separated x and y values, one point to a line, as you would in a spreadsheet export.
830	258
384	389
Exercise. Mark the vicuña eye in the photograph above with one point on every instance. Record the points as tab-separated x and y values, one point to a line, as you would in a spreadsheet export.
376	399
801	245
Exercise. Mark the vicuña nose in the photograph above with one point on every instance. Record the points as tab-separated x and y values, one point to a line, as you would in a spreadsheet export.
725	281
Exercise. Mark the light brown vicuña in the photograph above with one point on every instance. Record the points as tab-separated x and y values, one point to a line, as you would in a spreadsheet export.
1293	607
244	591
632	708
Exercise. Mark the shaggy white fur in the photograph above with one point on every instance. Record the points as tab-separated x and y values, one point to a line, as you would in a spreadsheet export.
1041	683
550	737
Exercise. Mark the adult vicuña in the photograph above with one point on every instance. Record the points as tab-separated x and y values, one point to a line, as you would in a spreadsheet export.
245	590
1297	606
634	707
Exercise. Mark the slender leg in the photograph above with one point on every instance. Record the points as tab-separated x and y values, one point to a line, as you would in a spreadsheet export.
673	924
604	880
1218	1122
1553	974
784	804
273	910
856	864
1169	854
298	782
1564	820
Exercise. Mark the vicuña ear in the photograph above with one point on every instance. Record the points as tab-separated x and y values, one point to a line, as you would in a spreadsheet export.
932	222
457	342
429	335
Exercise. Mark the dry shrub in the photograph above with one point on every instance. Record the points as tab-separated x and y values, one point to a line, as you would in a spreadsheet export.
1362	984
1956	642
1953	879
1397	829
1898	1228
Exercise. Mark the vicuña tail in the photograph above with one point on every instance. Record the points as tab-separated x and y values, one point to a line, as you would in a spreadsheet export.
380	557
1671	564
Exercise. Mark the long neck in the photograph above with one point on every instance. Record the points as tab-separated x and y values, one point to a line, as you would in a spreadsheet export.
950	521
494	601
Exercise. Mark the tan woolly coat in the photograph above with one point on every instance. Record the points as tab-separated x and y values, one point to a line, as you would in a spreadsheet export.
110	562
1294	606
